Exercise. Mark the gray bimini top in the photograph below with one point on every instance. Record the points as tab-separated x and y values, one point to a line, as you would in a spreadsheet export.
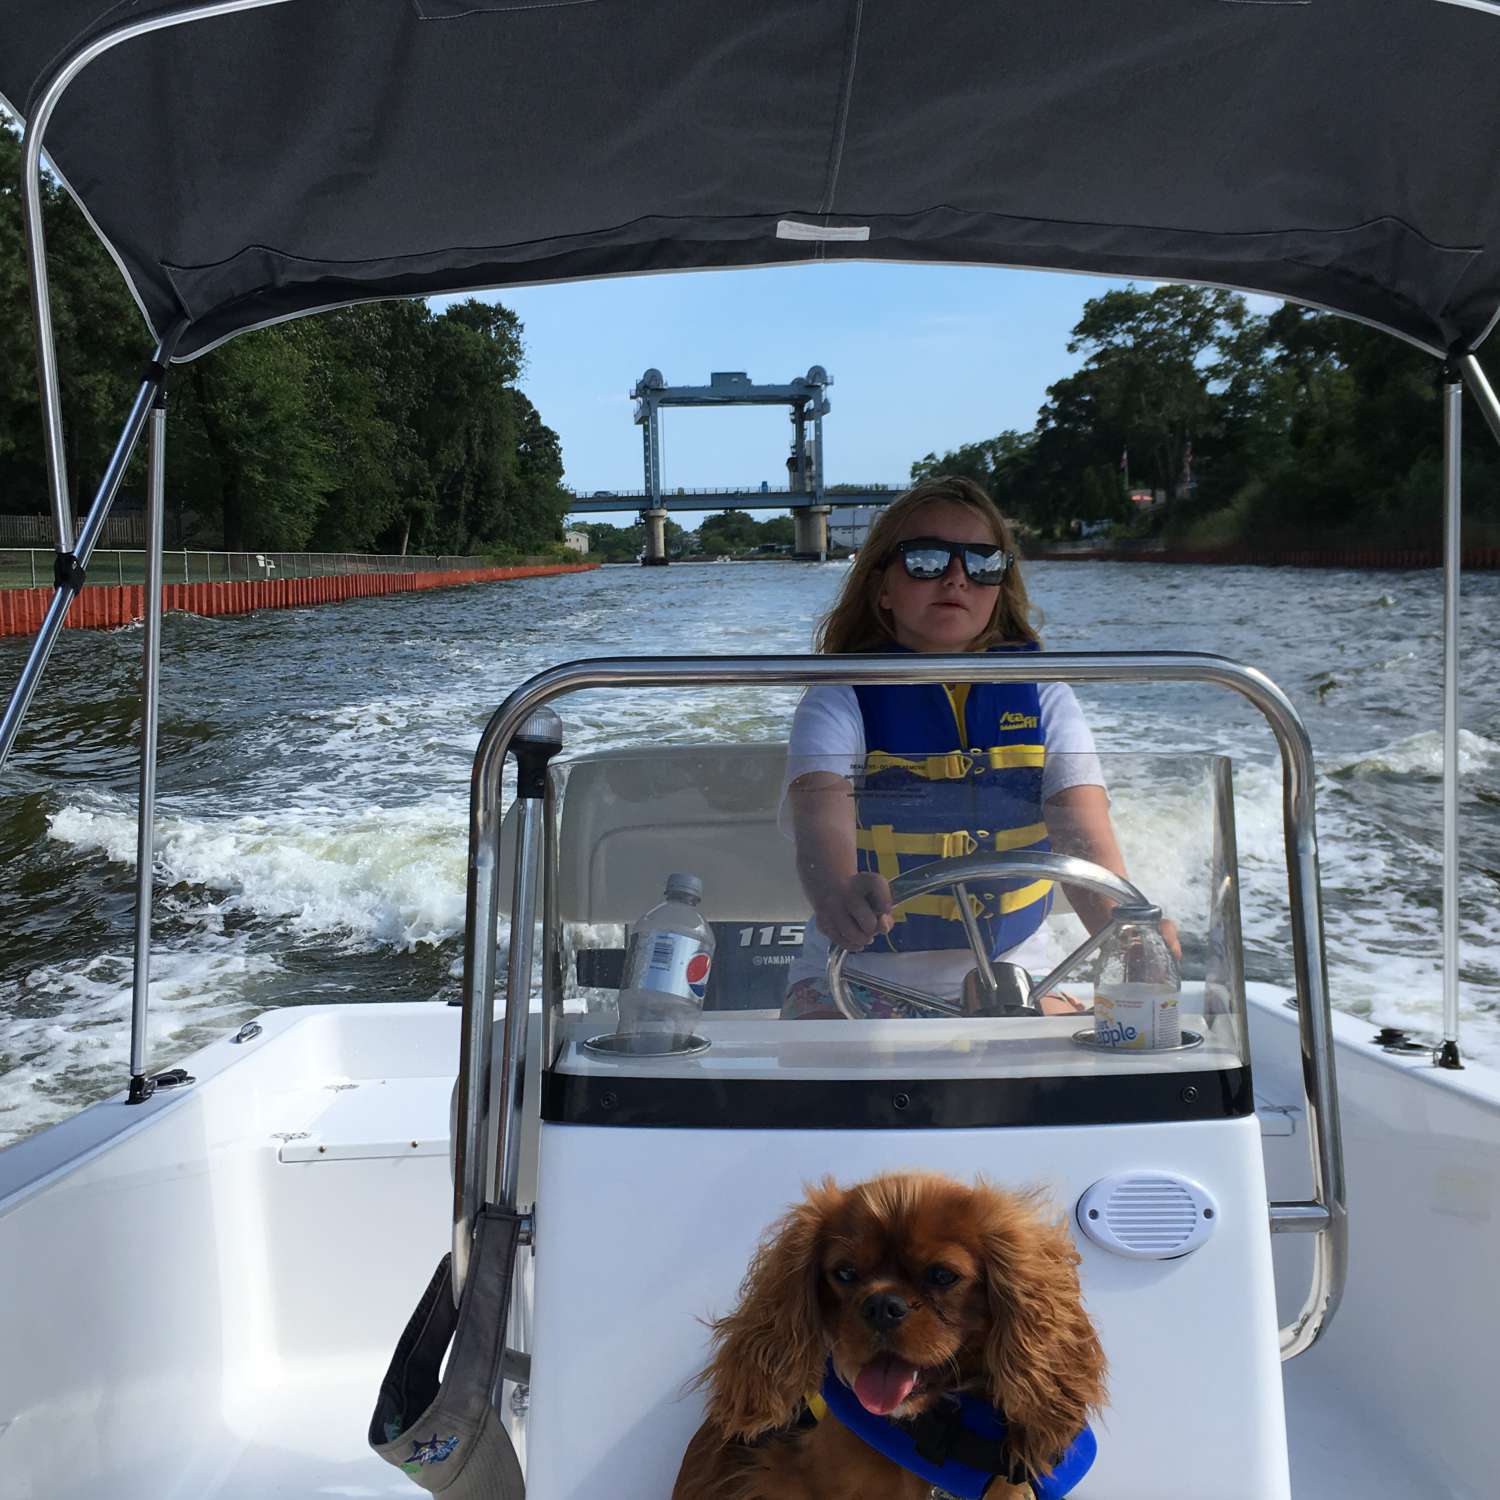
249	166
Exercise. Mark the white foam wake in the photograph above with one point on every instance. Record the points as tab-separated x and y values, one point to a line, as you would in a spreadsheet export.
372	876
1419	754
69	1035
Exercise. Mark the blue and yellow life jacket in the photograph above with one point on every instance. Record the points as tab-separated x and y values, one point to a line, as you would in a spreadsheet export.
952	770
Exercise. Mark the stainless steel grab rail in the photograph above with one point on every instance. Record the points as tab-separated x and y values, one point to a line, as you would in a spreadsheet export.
1323	1215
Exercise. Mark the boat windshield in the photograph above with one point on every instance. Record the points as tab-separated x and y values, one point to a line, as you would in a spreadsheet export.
736	984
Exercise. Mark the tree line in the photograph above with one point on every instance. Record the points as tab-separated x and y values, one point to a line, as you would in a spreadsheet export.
728	533
379	428
1293	427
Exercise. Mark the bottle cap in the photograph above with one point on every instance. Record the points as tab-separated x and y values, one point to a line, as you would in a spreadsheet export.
685	885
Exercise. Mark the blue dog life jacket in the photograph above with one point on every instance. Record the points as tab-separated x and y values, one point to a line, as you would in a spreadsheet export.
964	1423
953	770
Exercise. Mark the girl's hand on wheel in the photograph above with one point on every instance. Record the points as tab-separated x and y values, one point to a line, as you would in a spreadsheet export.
857	912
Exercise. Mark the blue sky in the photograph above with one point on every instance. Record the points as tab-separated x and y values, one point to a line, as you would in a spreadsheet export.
923	358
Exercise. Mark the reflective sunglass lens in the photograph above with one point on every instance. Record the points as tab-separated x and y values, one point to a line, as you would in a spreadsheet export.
926	562
985	567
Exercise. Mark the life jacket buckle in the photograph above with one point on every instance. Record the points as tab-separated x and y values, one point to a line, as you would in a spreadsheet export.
957	844
954	766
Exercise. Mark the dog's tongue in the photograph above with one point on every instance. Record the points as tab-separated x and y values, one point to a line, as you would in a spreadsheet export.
884	1384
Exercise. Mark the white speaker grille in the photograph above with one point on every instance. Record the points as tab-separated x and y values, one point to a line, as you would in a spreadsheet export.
1147	1215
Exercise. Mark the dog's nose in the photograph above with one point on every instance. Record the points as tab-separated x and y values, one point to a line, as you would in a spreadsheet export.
884	1310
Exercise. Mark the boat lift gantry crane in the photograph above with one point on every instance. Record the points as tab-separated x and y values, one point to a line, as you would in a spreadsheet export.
809	403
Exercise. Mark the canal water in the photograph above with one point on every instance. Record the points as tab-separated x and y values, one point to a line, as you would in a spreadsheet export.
314	779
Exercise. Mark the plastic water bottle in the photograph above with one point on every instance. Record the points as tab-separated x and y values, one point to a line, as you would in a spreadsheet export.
1138	993
667	960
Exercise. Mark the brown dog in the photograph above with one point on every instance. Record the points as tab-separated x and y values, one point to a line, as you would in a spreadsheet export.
913	1284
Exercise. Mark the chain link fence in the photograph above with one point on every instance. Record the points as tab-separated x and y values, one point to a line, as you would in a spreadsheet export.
31	567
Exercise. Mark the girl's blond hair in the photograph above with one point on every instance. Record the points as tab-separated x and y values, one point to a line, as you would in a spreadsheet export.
857	623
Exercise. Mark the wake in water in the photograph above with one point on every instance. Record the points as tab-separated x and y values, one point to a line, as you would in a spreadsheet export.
312	823
377	877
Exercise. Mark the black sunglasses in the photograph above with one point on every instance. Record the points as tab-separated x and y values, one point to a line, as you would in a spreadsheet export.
928	557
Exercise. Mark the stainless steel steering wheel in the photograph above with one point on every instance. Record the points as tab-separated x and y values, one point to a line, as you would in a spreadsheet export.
1002	988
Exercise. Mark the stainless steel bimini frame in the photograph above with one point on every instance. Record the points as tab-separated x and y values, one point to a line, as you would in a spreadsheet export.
74	553
1323	1215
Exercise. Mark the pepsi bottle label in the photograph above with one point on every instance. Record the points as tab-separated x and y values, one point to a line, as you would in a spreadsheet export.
671	963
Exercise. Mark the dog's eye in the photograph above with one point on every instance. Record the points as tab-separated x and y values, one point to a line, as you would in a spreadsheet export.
940	1276
846	1275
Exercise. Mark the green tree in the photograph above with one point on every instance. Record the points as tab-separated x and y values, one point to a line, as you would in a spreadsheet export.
1302	427
371	377
245	440
728	532
1145	384
536	503
976	461
609	543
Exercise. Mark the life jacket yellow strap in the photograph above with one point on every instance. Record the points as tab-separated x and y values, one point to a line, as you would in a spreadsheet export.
881	841
887	846
817	1406
946	907
955	765
1008	757
884	839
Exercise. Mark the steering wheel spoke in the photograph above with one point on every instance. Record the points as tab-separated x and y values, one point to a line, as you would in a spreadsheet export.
996	980
923	1000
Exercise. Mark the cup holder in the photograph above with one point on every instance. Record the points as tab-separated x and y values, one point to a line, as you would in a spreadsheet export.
617	1044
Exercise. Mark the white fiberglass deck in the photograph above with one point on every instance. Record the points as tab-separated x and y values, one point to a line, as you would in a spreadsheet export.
206	1300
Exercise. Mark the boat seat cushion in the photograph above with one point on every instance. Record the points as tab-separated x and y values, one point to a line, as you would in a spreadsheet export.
628	819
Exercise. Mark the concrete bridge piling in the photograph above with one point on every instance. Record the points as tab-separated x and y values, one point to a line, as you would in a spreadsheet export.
655	555
810	533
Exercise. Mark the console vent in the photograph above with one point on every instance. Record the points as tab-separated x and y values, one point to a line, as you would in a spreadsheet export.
1148	1215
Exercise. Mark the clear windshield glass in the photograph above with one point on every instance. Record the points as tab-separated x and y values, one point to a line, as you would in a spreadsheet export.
792	857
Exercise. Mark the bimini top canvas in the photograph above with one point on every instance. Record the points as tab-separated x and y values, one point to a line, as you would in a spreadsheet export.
289	155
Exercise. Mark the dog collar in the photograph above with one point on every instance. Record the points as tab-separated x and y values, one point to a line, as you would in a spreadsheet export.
960	1447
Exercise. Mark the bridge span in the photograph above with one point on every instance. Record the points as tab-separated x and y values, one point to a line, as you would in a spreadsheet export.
600	502
805	495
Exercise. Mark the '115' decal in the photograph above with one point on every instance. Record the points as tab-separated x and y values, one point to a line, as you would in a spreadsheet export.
784	933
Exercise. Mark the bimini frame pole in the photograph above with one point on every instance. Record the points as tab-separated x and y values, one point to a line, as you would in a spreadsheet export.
1472	373
1453	414
1481	390
141	1087
71	565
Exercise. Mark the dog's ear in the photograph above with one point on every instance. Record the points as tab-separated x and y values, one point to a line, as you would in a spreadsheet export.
1042	1357
769	1352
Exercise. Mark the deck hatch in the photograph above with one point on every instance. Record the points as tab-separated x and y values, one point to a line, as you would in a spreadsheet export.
376	1120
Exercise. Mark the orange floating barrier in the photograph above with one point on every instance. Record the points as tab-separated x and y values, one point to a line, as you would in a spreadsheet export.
110	606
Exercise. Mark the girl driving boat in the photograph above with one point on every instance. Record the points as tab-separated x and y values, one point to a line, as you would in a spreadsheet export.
881	779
